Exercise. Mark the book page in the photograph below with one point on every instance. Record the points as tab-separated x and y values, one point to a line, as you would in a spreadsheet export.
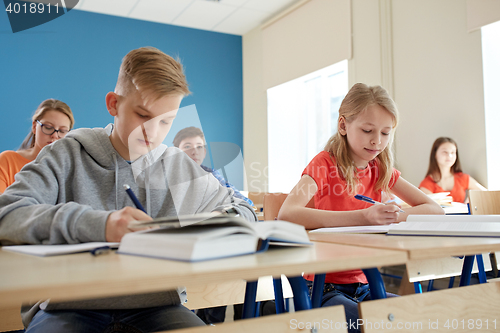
447	228
54	250
453	218
187	220
281	231
363	229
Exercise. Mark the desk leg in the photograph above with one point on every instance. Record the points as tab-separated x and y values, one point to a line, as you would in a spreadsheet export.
377	288
466	271
317	291
250	296
278	296
418	287
452	282
301	300
480	266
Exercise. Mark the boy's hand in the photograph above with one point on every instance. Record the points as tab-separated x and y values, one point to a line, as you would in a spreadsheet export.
118	221
382	214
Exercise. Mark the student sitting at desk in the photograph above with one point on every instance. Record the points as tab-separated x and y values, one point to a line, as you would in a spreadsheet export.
73	193
445	172
191	140
358	159
52	120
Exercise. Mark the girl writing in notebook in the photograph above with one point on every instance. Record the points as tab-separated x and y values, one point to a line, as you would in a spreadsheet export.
52	121
358	159
445	172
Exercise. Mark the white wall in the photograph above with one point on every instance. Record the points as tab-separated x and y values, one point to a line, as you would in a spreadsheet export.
421	52
438	85
254	113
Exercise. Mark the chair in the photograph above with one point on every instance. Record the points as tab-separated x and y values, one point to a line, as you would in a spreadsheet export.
10	319
486	203
272	203
258	201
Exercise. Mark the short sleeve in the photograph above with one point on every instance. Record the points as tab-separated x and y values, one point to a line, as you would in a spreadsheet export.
319	169
394	177
428	183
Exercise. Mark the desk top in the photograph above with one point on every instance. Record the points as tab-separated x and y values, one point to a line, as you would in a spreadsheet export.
417	247
79	276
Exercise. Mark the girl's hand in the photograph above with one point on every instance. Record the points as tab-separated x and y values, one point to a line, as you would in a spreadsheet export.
382	214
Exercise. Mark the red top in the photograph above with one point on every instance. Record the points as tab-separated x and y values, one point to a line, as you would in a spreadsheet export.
10	164
459	187
332	195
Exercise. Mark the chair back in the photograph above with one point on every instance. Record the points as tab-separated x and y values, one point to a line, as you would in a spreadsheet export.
257	199
273	203
484	202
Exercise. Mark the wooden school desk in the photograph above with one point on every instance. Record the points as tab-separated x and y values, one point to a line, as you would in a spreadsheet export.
419	247
25	278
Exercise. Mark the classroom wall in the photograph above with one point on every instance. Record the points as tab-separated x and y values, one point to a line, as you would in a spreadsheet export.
421	52
438	81
76	57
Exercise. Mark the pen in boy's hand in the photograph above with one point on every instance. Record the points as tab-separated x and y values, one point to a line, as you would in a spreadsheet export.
100	250
133	198
371	201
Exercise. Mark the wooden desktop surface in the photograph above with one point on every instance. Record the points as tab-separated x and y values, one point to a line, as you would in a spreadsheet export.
25	278
417	247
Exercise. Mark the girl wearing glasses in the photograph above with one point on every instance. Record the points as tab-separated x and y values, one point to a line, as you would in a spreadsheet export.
52	121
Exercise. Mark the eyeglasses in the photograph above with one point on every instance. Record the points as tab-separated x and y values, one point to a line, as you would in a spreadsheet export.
49	130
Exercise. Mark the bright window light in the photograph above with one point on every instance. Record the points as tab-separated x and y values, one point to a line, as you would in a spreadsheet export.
302	115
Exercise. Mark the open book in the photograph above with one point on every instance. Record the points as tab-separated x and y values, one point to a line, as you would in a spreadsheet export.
448	225
199	238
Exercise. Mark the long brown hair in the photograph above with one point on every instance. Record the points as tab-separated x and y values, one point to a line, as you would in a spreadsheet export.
433	169
358	99
47	105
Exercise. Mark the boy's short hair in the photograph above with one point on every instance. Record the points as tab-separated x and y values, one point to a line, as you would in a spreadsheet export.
153	72
188	132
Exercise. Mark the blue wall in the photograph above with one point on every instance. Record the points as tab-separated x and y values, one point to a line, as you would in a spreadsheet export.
76	57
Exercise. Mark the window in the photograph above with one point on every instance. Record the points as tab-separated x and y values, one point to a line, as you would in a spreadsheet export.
491	76
302	116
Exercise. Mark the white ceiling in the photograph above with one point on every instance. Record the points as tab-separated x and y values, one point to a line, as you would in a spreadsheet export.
227	16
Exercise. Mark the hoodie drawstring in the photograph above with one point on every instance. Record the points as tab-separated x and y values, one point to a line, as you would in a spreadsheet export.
116	181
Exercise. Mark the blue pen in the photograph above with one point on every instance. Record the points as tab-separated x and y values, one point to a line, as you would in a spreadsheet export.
100	250
371	201
133	198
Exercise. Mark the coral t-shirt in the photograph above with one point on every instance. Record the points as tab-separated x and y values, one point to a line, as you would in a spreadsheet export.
332	195
460	185
10	164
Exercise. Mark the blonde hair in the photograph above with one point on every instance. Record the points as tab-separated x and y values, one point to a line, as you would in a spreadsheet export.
357	100
44	107
149	70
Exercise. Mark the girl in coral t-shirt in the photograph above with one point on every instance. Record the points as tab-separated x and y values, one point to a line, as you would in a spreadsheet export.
358	159
445	172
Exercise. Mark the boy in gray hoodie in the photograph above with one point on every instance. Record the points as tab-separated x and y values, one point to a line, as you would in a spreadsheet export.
73	193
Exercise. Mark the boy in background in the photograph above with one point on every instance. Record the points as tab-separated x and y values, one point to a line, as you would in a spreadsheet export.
73	193
191	140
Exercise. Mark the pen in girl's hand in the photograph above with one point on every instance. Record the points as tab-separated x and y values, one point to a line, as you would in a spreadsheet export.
371	201
133	198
